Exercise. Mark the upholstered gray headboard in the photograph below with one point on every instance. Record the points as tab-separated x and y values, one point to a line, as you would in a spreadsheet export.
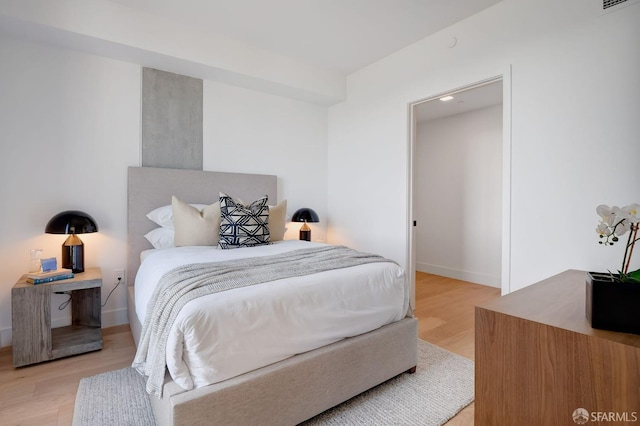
150	188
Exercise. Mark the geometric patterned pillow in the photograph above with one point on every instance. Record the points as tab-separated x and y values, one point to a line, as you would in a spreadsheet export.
243	226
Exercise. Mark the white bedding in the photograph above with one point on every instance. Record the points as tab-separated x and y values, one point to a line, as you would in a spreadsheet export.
226	334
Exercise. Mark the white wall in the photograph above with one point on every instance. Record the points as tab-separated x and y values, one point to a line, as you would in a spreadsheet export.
458	196
252	132
69	128
575	96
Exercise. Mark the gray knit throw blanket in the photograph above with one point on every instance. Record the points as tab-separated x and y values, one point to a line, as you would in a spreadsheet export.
188	282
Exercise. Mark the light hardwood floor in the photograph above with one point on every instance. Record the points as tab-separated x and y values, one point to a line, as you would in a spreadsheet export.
44	394
445	309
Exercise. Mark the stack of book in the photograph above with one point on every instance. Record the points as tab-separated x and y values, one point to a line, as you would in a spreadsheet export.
47	277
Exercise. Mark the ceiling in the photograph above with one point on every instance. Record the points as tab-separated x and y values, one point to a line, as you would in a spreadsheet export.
338	35
464	101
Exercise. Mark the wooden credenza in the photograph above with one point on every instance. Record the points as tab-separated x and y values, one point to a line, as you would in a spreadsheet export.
538	360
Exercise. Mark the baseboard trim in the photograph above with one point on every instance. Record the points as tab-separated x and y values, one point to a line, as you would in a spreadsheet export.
458	274
5	337
114	317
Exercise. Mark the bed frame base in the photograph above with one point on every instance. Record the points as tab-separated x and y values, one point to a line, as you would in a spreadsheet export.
298	388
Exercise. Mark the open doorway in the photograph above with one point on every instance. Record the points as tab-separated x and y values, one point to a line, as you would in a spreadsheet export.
460	183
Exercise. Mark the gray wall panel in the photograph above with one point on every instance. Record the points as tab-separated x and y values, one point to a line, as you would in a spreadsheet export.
171	120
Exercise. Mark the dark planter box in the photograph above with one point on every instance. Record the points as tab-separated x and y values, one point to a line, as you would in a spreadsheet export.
611	305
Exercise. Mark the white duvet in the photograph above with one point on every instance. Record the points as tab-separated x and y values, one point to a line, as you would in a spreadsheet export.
226	334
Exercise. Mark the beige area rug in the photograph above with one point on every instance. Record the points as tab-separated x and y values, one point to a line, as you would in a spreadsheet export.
440	388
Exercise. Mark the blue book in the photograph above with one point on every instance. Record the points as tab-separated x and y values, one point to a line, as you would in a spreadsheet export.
42	280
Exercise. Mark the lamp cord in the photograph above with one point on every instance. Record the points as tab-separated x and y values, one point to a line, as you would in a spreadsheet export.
64	304
112	290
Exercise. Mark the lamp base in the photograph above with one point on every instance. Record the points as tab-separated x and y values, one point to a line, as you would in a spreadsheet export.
305	232
73	254
305	235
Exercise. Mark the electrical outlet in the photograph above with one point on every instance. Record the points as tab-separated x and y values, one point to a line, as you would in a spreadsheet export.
119	275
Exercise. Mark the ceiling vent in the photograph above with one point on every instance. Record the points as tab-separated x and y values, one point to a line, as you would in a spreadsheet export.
607	6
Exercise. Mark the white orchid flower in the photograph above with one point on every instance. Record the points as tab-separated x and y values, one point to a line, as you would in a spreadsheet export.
615	222
618	214
603	229
618	220
604	212
622	228
632	212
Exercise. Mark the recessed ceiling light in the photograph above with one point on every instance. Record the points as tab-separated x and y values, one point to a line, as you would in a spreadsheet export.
446	98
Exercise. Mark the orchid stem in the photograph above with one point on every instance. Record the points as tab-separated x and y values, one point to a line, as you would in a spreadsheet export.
630	245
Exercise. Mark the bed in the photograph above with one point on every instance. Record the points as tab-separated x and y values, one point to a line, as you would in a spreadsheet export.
285	392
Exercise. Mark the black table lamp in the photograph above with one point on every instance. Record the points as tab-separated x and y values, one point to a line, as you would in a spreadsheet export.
72	222
305	215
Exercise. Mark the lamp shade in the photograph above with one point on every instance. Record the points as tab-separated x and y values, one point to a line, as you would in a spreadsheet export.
71	222
305	215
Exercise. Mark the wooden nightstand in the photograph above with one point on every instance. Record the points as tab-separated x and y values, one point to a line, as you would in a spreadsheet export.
33	338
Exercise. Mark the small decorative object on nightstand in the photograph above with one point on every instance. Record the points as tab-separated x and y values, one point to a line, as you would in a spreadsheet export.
72	222
33	338
305	215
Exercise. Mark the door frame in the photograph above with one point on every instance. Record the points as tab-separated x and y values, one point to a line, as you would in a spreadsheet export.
505	77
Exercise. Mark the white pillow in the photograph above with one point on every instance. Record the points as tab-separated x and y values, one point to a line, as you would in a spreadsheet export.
163	216
195	227
277	218
161	237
